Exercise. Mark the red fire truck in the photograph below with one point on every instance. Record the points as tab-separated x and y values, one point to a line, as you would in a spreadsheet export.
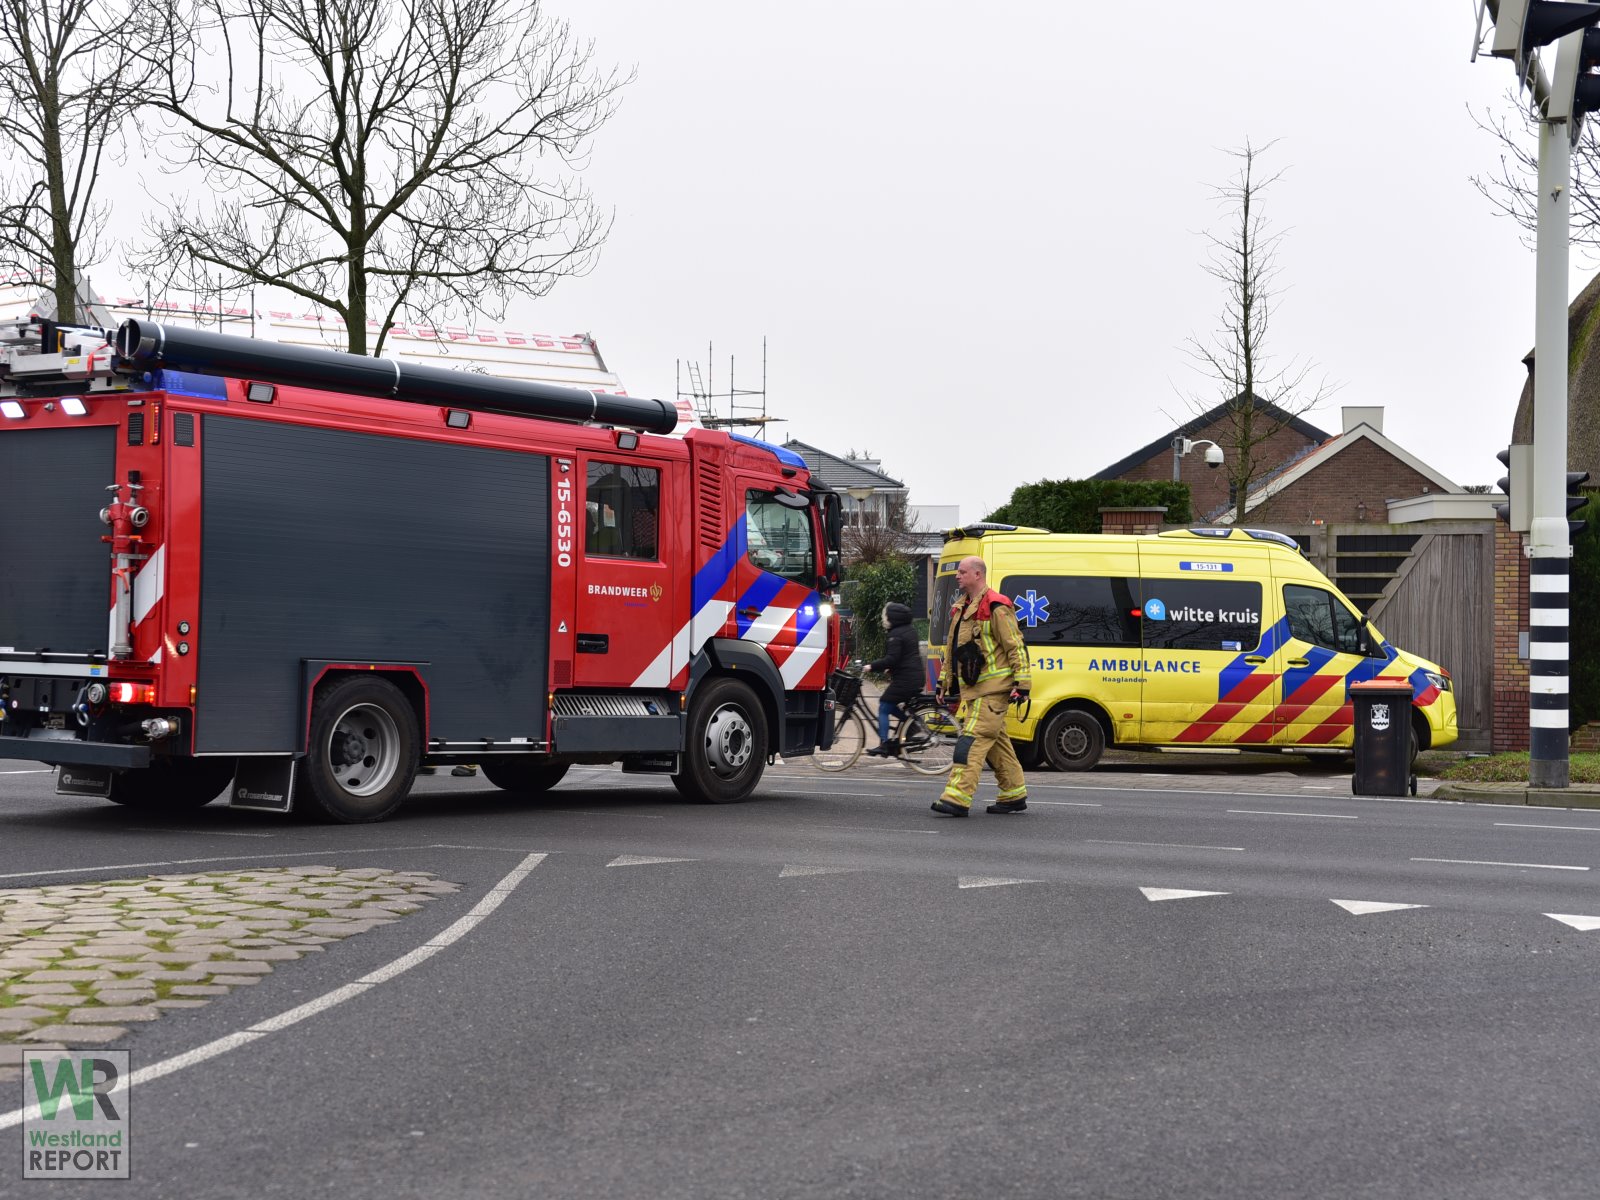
300	575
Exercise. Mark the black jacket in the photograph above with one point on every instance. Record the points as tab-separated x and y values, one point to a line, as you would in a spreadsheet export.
902	655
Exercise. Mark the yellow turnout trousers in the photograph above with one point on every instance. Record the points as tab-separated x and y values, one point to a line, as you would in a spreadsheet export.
983	739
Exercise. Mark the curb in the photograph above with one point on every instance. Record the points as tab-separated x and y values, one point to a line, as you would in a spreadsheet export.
1583	795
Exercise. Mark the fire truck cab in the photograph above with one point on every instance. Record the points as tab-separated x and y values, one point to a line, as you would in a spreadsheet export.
297	576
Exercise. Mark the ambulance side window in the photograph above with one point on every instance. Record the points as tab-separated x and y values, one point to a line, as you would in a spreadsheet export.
622	516
1202	614
1316	616
1073	610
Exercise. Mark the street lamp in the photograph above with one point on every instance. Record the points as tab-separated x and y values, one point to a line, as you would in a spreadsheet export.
1182	445
860	495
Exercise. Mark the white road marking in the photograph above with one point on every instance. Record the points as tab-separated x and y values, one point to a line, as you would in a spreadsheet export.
189	862
592	812
209	832
1525	825
1175	894
496	897
1361	908
642	860
1162	845
792	869
1262	812
1582	924
816	791
1473	862
977	881
1317	787
877	829
1065	803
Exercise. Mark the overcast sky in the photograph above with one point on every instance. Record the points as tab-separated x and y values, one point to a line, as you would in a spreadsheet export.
972	236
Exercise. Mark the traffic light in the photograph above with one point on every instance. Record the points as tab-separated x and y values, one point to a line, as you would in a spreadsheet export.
1522	25
1517	484
1575	479
1574	92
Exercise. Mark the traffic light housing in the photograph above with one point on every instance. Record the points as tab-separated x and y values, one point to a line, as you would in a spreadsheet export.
1523	25
1517	484
1574	91
1575	501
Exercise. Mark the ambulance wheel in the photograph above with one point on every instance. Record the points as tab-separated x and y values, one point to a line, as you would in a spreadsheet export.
173	784
1072	741
365	747
727	744
531	777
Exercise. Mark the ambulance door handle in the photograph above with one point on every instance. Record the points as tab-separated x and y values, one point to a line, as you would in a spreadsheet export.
1255	660
1299	662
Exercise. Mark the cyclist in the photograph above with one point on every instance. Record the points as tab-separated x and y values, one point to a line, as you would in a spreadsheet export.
902	660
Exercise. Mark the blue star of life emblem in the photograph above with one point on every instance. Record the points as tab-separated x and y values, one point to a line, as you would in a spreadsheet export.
1033	608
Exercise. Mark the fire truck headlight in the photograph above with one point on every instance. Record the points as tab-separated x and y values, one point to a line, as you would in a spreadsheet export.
827	610
72	406
12	410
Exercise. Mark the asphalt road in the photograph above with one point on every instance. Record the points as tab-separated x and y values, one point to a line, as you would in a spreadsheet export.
834	992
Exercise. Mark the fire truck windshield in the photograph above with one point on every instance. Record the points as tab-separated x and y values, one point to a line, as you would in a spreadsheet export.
778	538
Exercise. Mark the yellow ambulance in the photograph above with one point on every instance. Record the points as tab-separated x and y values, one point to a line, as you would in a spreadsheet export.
1193	637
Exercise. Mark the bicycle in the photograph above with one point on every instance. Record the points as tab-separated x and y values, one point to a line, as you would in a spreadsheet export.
924	729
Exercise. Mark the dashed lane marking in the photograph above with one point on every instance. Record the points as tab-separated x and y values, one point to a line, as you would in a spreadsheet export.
1582	924
1473	862
1068	803
449	936
642	860
1175	894
978	881
1262	812
877	829
1160	845
1529	825
1361	908
792	869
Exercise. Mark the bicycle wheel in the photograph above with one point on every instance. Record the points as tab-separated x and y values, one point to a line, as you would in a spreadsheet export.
849	740
928	741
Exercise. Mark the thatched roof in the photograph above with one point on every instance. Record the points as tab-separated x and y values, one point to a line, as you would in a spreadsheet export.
1583	386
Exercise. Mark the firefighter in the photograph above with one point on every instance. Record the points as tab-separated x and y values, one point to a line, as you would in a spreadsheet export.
987	661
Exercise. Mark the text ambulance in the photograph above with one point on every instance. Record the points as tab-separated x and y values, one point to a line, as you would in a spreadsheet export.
1195	637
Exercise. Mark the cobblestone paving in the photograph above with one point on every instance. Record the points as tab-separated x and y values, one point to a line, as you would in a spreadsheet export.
81	963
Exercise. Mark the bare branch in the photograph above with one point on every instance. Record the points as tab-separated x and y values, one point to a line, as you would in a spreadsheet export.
1259	395
384	157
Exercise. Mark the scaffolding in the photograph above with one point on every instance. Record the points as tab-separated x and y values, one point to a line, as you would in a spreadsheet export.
745	406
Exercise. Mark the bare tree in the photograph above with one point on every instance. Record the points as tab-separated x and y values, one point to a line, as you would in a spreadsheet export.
381	158
1513	188
70	72
1260	397
895	537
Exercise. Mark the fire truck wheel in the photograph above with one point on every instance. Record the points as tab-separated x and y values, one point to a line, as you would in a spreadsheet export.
727	744
531	777
365	747
1073	741
173	785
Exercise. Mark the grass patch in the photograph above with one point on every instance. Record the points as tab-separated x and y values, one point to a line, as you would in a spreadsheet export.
1513	768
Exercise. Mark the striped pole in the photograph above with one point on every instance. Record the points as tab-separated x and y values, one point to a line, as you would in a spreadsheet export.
1549	547
1548	672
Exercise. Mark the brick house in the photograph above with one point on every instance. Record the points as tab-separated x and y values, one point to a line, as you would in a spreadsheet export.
1316	478
1294	439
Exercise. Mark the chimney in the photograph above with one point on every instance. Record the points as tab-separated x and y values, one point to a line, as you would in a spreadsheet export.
1372	415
